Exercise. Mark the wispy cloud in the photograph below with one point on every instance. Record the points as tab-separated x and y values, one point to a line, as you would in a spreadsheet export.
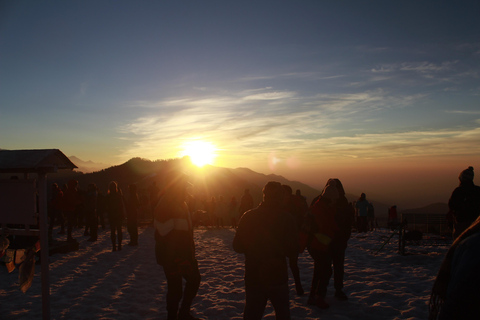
420	67
463	111
291	75
258	121
270	96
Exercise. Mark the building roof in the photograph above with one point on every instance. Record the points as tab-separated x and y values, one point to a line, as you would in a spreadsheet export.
29	161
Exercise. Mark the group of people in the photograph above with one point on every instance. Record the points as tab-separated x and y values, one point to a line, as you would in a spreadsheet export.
72	208
218	212
271	236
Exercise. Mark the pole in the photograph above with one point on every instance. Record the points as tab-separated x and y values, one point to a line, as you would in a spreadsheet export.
44	258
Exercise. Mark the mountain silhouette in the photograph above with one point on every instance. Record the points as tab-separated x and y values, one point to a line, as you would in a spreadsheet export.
87	166
209	181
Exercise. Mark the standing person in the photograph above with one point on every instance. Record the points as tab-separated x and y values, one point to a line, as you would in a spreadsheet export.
297	211
344	219
232	212
455	292
132	205
55	211
175	247
115	212
71	202
221	211
301	201
465	202
246	203
212	212
91	217
101	208
326	233
362	213
267	235
392	217
154	196
371	217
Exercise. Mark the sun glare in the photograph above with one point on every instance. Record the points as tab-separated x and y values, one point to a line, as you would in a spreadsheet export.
201	153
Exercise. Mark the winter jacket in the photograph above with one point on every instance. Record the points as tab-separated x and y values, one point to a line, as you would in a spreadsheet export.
115	208
463	291
174	244
320	226
267	235
465	203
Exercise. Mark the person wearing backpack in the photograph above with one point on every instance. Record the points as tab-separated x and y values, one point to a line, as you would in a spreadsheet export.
267	235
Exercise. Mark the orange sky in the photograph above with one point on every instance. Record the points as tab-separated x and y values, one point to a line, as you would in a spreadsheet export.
407	182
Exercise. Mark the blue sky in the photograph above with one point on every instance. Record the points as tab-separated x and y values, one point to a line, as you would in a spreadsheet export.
277	86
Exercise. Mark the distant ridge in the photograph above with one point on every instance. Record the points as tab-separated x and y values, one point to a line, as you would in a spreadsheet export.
87	166
431	208
208	182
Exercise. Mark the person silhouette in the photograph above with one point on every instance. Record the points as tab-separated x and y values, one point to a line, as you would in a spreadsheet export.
246	202
115	208
325	234
132	204
297	210
91	217
464	202
175	247
362	213
267	235
71	201
455	292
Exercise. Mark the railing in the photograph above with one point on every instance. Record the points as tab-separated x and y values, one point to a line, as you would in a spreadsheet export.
424	228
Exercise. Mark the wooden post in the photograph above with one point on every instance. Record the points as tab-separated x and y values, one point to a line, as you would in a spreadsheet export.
44	257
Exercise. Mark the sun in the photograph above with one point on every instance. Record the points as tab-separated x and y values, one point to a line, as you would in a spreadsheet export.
200	152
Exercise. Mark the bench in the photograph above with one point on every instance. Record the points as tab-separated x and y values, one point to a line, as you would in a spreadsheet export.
424	229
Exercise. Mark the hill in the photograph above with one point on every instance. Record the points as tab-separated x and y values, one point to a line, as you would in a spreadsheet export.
208	182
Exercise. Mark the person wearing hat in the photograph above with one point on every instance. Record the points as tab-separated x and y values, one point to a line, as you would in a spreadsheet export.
465	202
175	247
267	236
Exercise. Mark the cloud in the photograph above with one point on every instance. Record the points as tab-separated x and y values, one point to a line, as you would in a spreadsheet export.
261	121
427	67
398	145
291	75
420	67
463	111
270	96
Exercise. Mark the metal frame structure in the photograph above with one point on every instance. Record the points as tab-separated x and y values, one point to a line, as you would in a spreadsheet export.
39	162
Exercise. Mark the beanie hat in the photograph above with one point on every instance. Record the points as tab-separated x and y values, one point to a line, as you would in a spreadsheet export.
466	175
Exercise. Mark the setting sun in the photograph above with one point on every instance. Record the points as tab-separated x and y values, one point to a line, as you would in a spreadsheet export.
200	152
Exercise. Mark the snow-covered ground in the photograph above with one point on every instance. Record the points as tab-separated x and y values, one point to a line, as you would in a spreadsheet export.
96	283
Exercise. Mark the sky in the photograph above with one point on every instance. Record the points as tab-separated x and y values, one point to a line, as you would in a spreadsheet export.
384	95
